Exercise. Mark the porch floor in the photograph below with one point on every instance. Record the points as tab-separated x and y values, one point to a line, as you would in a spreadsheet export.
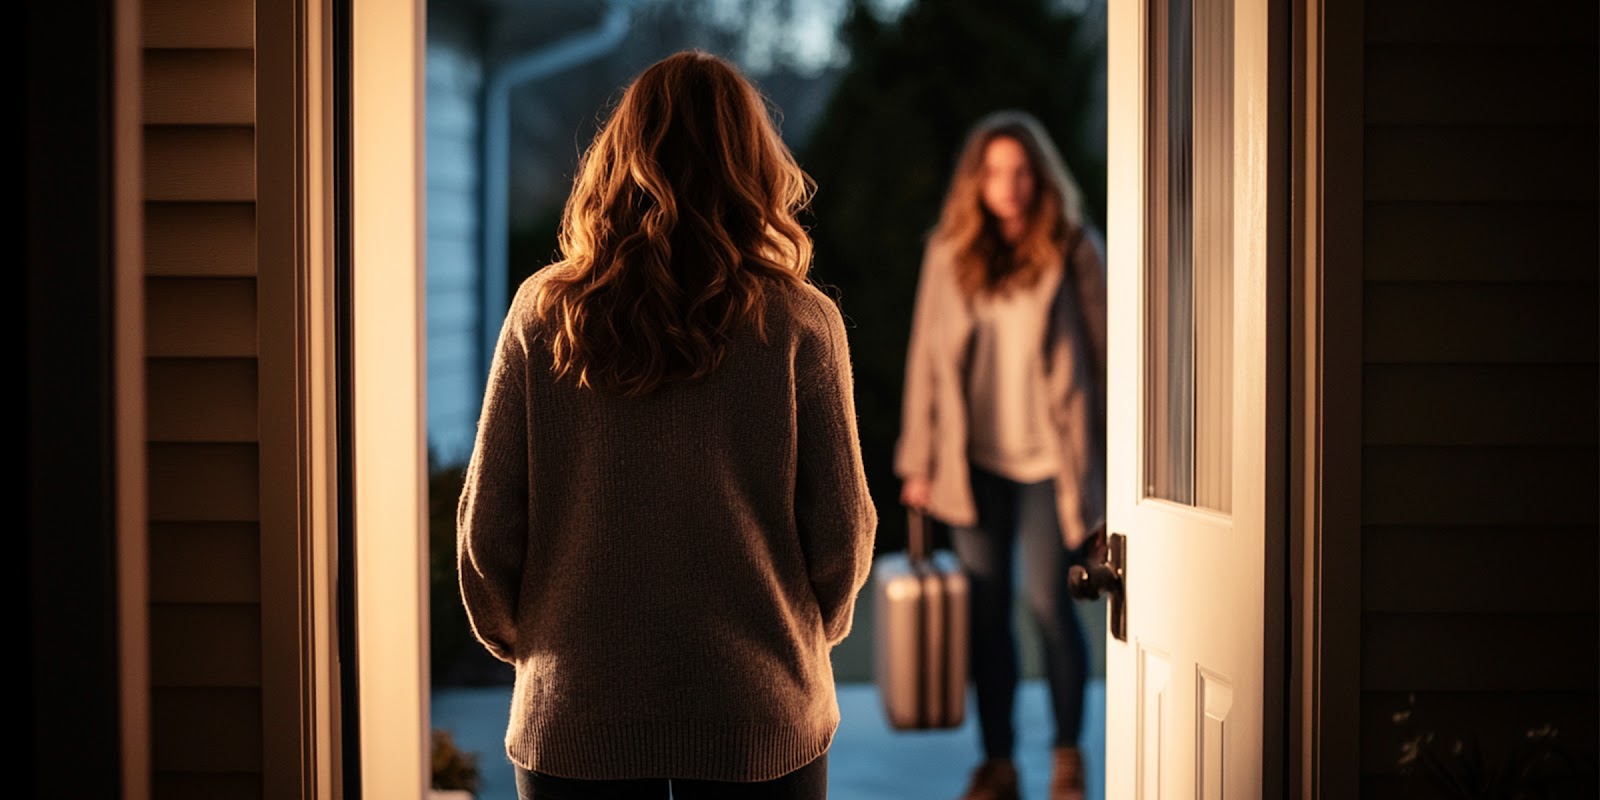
868	760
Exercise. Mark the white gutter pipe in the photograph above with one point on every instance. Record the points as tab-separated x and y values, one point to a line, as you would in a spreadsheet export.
561	55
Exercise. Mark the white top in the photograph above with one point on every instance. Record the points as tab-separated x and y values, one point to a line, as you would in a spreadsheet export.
1008	416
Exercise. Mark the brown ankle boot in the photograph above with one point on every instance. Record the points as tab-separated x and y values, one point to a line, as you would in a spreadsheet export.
1066	779
994	779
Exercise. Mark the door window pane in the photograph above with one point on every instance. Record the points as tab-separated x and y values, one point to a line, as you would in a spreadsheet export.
1189	300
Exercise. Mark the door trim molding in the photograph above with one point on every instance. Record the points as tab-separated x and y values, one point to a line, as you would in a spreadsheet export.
129	429
298	436
1325	400
1278	571
387	394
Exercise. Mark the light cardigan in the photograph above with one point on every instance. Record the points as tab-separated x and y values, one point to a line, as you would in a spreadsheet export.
933	421
669	573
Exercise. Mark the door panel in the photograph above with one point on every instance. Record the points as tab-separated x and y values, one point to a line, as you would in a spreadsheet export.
1155	708
1188	395
1215	702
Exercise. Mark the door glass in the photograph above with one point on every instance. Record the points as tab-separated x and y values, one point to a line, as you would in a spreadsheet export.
1189	332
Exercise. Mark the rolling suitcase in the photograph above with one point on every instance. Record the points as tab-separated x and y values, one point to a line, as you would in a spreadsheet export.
921	634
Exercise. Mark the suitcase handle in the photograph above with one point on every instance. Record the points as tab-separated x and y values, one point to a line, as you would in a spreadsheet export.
916	535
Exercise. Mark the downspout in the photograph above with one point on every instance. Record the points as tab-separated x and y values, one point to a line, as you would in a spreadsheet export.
561	55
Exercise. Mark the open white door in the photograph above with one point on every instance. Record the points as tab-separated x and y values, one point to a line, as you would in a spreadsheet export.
1192	483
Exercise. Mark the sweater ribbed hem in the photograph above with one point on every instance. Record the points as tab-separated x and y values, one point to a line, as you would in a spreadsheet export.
667	748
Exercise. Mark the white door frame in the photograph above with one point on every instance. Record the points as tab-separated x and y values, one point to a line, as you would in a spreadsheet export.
388	412
1318	561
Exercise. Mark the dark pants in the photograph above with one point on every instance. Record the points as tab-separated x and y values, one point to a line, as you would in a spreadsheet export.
1012	517
809	782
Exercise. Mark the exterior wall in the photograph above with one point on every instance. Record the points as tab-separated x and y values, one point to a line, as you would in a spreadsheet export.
81	545
455	264
1479	383
1478	397
203	415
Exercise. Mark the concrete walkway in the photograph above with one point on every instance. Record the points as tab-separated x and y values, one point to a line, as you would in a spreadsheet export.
868	760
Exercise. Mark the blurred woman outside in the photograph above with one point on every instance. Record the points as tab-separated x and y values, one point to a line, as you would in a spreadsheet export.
1003	421
665	521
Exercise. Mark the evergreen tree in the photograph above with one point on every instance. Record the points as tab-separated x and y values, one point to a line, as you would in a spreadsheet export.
884	149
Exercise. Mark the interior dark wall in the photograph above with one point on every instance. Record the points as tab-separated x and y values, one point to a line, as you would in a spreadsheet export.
71	663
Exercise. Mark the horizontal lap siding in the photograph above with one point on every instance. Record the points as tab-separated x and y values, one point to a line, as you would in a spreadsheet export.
1459	84
455	349
199	24
205	562
200	240
1479	652
1511	323
190	389
199	164
1465	243
208	785
1479	391
1476	485
1490	22
1494	164
200	87
1479	386
1479	404
200	318
231	658
201	381
204	482
206	730
1492	569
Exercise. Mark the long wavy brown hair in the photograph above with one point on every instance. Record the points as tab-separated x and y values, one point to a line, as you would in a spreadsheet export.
683	213
984	261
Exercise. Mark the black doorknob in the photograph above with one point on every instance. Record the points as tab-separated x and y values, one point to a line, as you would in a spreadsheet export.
1093	577
1092	582
1103	576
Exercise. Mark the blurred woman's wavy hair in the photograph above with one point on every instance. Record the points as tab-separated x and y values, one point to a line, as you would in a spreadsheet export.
683	213
983	259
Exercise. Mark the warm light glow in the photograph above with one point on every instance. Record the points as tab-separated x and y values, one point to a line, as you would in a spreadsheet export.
388	405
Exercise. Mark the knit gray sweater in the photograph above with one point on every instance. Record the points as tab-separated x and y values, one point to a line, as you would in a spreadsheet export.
669	573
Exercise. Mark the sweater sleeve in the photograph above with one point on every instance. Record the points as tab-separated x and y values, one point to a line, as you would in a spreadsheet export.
833	510
492	516
913	454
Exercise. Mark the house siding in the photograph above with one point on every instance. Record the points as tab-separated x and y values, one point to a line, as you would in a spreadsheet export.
202	411
455	308
1479	390
456	363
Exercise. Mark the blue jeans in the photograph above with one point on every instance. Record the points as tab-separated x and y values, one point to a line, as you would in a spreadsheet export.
809	782
1014	516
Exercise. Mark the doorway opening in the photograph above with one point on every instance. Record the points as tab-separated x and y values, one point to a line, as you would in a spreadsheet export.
870	104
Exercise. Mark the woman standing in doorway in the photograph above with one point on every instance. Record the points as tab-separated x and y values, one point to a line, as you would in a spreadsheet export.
1003	423
665	522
